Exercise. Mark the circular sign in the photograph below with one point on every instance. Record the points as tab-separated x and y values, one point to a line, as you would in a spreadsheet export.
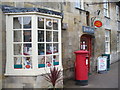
98	23
27	66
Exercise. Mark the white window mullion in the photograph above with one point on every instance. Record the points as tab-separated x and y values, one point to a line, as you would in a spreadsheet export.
60	43
45	40
9	62
22	44
34	43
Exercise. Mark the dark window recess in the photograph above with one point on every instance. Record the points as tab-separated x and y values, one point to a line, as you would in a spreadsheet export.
87	18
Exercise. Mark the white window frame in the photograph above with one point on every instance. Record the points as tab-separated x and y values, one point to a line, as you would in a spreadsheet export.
106	8
107	41
79	4
9	45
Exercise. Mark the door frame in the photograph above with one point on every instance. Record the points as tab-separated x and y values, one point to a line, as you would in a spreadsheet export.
89	47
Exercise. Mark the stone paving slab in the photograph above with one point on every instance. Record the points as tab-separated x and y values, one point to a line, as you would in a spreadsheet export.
105	80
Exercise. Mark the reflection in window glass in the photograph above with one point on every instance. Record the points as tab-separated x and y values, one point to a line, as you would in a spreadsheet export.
49	36
55	60
41	61
41	49
18	62
17	49
26	22
48	61
27	49
55	24
27	62
40	23
17	36
27	36
55	36
49	48
55	48
17	23
49	24
40	36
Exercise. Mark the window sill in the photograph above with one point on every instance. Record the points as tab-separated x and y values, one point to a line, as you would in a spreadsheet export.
31	72
81	9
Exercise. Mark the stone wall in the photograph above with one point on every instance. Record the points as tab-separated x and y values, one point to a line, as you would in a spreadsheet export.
70	38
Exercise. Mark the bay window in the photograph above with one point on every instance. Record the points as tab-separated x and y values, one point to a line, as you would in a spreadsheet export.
33	44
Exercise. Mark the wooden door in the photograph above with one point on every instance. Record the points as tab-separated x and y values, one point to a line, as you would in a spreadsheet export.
86	44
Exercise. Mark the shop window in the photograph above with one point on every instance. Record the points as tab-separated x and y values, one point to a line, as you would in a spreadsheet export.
107	41
35	44
22	43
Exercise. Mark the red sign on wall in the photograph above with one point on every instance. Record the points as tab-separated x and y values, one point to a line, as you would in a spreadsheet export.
98	23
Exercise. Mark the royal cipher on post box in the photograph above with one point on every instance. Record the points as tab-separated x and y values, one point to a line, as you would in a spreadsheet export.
81	67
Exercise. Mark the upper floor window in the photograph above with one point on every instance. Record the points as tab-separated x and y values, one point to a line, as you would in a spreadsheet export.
33	44
106	8
79	4
118	12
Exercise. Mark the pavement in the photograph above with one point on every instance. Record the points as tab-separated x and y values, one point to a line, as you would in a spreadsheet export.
105	80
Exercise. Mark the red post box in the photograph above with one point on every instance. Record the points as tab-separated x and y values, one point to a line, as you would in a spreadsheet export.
81	67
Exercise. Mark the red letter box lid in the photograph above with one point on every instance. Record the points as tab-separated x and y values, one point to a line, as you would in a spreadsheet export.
80	51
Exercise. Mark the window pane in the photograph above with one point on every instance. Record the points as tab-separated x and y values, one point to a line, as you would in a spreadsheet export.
26	22
41	49
27	62
41	61
17	49
40	36
107	38
27	49
17	23
48	61
55	36
49	36
55	24
106	49
55	60
49	24
27	35
55	48
40	23
17	36
18	62
107	33
49	48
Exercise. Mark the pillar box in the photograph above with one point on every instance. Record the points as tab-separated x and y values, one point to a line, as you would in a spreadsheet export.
81	67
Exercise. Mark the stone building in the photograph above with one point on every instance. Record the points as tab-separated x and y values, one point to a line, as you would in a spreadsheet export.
61	29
